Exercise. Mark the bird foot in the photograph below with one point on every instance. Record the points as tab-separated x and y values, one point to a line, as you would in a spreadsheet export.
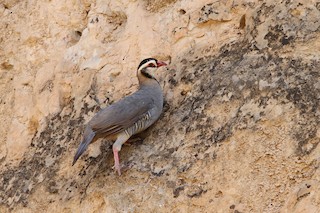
124	167
117	169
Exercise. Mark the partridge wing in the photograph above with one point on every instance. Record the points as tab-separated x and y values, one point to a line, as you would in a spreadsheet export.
120	115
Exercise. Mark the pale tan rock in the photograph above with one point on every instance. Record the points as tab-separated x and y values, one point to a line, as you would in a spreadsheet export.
240	128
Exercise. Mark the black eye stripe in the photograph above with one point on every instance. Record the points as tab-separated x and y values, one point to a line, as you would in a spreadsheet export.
146	61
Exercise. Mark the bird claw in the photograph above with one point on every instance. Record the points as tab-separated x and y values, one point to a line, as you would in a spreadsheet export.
117	168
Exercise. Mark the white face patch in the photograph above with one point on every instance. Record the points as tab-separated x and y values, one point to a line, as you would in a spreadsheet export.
150	64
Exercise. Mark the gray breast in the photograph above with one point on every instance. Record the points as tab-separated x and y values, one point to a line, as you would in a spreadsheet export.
155	95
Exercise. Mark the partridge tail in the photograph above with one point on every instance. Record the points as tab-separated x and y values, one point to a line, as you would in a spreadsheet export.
87	138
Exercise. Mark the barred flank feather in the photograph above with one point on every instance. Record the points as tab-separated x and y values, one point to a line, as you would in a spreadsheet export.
140	125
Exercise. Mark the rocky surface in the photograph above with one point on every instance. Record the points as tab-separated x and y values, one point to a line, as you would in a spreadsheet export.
241	125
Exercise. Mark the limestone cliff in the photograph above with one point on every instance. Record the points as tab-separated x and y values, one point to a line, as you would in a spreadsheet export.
241	125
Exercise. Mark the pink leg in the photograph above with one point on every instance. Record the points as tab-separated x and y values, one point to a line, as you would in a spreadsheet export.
116	161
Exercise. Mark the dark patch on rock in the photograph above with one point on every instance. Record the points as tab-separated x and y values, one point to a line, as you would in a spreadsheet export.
195	191
285	26
286	40
158	173
176	191
240	67
42	160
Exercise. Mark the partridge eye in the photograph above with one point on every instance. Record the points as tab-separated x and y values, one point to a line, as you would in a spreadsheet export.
152	65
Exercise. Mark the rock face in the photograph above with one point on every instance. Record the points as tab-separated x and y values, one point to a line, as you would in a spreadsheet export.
241	125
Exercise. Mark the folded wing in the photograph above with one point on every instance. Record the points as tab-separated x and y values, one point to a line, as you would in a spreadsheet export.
121	115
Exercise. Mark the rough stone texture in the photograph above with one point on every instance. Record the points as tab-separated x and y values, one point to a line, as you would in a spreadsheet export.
241	125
